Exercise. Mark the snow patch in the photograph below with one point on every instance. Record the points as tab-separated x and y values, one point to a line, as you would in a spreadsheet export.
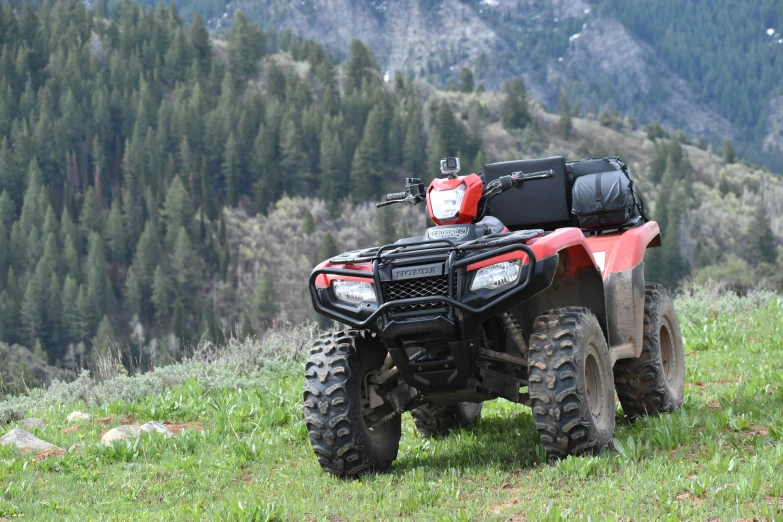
770	32
386	77
490	3
587	10
574	37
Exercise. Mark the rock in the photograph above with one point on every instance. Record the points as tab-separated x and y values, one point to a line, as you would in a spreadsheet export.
25	441
157	427
32	423
120	433
134	431
77	448
78	416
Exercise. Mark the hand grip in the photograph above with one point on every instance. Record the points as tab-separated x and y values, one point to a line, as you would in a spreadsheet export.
396	196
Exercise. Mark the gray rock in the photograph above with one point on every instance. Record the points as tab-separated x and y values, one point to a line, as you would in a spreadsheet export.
120	433
78	416
32	423
77	448
25	441
157	427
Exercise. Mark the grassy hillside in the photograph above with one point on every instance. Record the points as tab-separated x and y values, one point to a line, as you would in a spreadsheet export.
243	454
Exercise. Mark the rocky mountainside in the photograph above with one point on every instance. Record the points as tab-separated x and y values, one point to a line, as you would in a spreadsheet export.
553	44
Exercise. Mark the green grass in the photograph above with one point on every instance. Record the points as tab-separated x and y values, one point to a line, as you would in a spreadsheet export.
720	457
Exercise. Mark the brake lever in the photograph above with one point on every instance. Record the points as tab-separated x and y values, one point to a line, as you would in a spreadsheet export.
411	200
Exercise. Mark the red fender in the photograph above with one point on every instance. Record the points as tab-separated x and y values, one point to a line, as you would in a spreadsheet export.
624	250
571	239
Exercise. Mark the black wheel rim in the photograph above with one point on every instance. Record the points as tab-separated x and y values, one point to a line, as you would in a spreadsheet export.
593	385
668	358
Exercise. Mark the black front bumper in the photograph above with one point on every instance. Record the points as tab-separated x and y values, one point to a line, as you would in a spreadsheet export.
453	325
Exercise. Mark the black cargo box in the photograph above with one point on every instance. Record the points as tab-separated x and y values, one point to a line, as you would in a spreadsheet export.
541	204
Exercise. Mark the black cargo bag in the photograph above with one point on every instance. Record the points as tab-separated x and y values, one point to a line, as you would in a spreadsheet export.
604	200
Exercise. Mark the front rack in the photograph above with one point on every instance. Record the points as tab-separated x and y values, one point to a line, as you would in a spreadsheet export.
456	263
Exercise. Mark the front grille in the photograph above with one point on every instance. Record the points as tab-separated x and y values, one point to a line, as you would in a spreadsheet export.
424	287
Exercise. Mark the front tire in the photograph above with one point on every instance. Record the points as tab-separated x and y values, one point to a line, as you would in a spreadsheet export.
570	383
654	382
439	421
334	391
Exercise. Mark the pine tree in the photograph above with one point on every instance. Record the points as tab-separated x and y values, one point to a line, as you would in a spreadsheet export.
361	67
308	223
293	162
328	248
199	40
7	210
69	314
32	312
161	294
729	156
245	48
231	171
10	179
104	339
723	186
265	297
565	124
98	288
414	147
8	318
207	202
177	211
515	112
140	278
466	83
334	182
385	224
368	169
763	240
115	234
90	219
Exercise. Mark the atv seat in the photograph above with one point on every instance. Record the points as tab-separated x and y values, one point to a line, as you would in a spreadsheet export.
544	204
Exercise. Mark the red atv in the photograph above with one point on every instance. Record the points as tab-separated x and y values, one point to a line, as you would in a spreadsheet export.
535	295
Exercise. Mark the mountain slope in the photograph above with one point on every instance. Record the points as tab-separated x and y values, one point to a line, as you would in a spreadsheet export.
605	53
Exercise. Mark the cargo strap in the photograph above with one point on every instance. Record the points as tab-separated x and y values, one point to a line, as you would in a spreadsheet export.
599	199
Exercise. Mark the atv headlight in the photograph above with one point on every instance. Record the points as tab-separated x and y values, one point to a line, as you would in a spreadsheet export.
497	275
446	203
354	292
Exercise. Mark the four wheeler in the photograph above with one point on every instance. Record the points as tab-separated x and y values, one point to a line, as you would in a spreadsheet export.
529	287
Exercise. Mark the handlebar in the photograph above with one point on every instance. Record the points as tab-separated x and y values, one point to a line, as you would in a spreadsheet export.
521	177
414	193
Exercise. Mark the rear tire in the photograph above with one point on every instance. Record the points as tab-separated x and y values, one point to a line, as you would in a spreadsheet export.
570	383
439	421
654	382
333	394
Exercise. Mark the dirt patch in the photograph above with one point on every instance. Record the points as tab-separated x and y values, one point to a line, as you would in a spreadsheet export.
104	420
177	428
71	429
696	383
127	420
53	452
246	479
733	381
686	496
759	432
713	404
